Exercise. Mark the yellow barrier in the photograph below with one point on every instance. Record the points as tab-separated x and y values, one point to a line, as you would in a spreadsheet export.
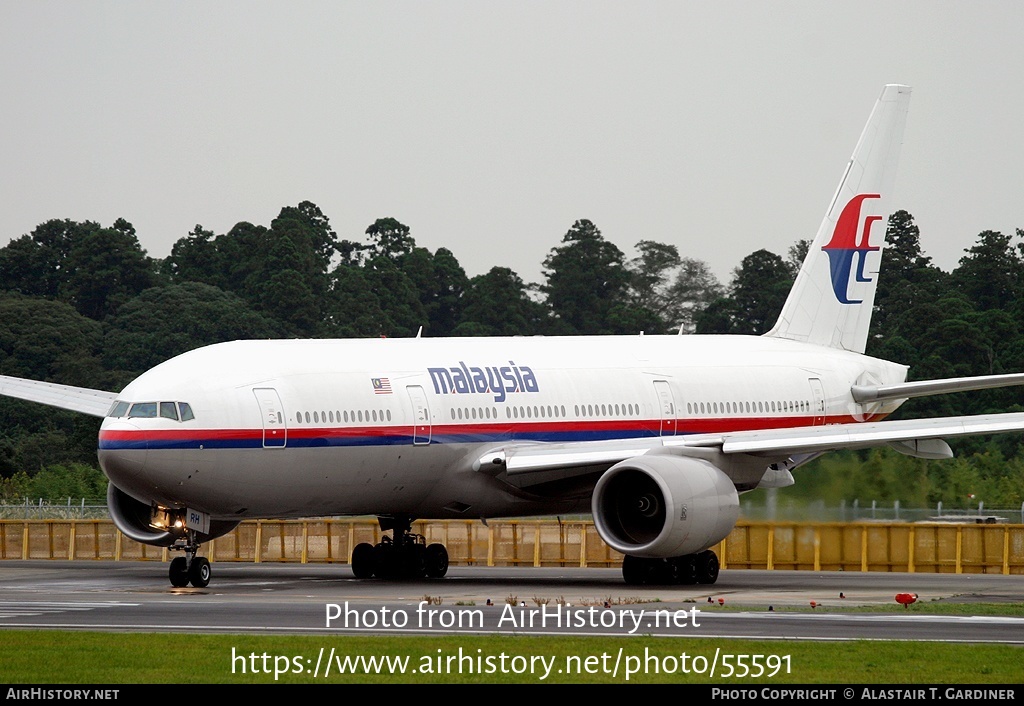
881	546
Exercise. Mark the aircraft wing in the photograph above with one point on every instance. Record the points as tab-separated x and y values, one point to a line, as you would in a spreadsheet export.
916	437
77	399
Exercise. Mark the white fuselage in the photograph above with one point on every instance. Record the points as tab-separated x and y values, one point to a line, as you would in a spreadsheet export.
331	427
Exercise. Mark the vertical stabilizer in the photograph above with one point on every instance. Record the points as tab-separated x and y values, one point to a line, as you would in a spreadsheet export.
831	301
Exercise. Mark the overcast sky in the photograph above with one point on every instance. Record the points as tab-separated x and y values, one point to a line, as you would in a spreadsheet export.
490	127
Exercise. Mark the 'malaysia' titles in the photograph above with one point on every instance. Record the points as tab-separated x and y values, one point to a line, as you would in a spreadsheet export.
499	381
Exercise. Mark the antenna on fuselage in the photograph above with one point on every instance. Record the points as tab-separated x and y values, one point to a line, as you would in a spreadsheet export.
419	333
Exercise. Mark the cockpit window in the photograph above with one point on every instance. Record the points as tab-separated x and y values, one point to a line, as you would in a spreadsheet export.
151	410
142	410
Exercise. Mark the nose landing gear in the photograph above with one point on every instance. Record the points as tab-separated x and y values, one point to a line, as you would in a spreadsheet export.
189	568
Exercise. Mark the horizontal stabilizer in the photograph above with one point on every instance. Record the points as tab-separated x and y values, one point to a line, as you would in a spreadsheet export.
864	394
854	436
77	399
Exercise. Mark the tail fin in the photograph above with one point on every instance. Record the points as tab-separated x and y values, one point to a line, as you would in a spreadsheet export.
831	301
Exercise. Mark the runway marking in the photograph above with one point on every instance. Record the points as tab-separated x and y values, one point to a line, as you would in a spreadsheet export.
102	627
21	609
869	617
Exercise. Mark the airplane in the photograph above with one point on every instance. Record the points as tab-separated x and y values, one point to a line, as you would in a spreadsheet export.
656	436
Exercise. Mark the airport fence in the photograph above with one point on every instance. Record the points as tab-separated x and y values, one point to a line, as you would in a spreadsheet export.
926	547
766	511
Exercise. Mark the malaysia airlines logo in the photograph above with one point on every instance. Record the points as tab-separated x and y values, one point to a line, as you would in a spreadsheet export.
844	249
497	380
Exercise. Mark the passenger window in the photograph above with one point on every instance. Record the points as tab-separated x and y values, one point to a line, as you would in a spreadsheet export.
168	411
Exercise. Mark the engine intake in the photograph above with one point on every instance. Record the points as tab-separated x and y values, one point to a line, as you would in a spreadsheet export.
133	518
660	505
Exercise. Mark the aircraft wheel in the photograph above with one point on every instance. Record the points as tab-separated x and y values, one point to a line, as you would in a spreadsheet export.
178	572
199	572
436	561
636	570
683	570
362	560
706	564
387	563
413	562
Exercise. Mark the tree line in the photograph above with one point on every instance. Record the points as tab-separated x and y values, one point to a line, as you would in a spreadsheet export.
83	304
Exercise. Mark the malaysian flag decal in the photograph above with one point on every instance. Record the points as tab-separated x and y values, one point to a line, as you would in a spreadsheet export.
381	386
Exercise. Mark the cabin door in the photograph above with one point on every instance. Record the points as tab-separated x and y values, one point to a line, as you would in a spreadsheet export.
667	408
275	428
818	400
420	415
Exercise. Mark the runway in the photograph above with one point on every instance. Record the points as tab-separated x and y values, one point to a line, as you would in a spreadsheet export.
326	599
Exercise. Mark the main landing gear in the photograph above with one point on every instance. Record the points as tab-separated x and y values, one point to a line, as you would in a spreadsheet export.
404	556
690	569
189	568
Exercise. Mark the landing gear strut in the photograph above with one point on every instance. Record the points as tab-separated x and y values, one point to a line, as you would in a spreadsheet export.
189	568
699	568
402	556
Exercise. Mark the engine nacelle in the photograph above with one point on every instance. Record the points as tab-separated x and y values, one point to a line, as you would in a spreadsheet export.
134	519
660	505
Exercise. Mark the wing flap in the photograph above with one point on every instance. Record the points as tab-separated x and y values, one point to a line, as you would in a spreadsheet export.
77	399
544	457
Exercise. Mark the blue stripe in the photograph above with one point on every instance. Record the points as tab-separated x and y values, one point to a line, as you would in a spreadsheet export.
390	440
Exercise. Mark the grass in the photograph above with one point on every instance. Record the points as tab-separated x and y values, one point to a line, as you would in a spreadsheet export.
72	657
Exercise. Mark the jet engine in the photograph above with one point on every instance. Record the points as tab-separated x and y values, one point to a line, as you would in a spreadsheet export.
147	524
660	506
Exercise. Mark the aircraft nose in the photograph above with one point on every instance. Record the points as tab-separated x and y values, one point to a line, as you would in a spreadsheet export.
122	452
